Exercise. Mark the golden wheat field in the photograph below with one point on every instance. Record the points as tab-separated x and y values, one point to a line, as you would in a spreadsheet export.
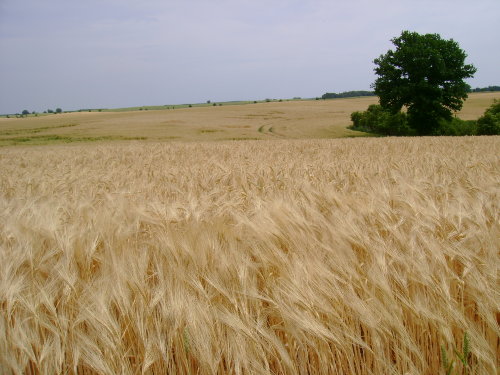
349	256
262	121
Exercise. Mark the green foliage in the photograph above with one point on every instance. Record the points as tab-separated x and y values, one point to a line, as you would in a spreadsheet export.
463	356
58	110
50	111
378	120
456	127
489	123
346	94
25	112
426	75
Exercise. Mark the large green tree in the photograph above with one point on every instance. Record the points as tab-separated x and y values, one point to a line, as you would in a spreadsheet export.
425	74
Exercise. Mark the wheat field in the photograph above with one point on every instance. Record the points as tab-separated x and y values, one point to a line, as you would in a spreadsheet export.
302	119
349	256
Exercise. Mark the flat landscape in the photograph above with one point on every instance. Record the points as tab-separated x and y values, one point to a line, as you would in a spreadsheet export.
346	256
274	120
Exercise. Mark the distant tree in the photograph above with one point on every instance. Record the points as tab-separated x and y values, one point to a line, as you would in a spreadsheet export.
208	101
25	112
50	111
426	75
215	104
58	110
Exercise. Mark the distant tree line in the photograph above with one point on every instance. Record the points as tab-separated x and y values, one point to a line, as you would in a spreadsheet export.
347	94
486	89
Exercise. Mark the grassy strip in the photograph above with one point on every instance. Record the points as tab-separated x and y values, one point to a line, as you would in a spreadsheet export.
54	138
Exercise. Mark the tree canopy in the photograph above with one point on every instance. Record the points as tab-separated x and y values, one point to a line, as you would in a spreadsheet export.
426	75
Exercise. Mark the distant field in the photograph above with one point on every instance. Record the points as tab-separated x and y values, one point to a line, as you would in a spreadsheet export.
349	256
275	120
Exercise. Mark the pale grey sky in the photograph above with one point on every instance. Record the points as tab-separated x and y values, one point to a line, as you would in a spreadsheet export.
115	53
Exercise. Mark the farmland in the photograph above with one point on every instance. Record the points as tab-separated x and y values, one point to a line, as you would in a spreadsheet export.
274	120
344	256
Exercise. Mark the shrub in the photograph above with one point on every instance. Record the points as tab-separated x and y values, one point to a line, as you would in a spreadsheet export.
377	120
380	121
489	123
456	127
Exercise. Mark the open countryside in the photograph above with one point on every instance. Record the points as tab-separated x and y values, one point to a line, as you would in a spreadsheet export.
182	251
264	120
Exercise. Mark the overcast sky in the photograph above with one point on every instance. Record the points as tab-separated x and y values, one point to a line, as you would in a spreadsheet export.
114	53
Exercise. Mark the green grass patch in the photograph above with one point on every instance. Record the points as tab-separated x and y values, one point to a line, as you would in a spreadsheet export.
240	139
210	130
33	130
54	138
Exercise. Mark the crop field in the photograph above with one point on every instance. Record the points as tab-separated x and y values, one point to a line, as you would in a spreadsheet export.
274	120
345	256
